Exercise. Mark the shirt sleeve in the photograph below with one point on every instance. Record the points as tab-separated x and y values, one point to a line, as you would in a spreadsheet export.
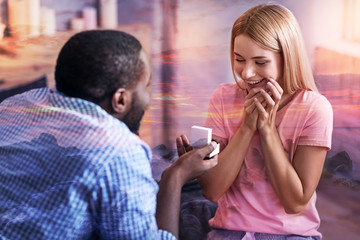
126	198
215	118
319	124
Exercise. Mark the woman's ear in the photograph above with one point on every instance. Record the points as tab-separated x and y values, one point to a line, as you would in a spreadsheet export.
121	101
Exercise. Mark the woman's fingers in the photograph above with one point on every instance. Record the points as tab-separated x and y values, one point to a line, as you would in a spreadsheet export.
250	104
275	90
253	92
268	100
250	109
260	108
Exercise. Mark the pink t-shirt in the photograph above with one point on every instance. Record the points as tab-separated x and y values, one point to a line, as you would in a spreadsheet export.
251	204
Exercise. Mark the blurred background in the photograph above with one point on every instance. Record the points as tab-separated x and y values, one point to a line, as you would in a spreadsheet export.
188	43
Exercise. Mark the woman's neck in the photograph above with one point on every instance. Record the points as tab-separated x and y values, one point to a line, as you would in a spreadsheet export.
285	99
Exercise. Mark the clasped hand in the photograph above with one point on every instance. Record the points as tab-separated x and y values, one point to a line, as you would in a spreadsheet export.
261	105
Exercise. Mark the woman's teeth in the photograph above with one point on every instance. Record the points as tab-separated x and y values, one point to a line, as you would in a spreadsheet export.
253	83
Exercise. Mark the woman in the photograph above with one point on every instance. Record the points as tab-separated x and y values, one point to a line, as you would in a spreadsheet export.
274	129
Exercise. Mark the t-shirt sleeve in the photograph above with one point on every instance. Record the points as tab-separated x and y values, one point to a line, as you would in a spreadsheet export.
318	127
215	118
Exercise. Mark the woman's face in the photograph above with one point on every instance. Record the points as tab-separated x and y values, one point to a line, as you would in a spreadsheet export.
253	65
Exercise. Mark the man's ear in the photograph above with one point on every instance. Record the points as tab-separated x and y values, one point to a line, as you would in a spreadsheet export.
121	101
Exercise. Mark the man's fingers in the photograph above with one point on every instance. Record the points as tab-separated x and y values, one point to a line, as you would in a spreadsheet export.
185	139
180	146
186	143
212	162
209	163
183	145
206	150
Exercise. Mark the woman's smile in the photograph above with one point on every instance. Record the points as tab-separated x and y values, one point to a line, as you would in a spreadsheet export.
253	84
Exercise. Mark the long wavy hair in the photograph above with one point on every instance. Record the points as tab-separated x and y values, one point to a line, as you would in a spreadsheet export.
274	27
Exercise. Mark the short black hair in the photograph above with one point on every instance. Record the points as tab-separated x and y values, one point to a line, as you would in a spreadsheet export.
93	64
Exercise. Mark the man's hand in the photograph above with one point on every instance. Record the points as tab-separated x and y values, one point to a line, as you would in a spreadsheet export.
183	145
191	165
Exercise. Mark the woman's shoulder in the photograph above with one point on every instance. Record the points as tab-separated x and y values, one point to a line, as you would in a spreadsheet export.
312	97
227	89
228	86
314	100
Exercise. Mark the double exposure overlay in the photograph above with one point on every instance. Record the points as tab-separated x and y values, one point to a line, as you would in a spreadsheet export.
188	43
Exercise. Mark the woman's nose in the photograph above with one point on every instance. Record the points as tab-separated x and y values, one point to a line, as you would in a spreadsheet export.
248	71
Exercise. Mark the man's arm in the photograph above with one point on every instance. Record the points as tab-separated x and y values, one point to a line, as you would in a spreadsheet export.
124	198
189	166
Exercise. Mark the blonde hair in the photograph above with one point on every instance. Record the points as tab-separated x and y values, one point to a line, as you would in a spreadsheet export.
274	27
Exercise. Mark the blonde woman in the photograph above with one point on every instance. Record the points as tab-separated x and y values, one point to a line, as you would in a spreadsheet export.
274	129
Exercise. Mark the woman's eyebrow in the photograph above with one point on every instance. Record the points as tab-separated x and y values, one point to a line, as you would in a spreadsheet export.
257	57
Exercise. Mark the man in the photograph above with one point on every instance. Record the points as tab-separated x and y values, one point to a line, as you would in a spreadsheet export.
69	169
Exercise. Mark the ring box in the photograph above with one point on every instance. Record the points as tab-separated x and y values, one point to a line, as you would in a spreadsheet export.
200	137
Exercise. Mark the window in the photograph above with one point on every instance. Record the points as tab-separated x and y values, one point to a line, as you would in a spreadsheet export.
352	20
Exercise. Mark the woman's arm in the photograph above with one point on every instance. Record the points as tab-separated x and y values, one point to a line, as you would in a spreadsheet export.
219	179
294	183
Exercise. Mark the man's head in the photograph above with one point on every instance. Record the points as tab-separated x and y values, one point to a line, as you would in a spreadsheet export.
108	68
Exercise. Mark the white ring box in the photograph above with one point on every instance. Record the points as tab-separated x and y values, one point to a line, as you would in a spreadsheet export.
201	136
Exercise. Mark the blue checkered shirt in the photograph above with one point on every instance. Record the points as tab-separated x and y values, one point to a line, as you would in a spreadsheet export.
69	170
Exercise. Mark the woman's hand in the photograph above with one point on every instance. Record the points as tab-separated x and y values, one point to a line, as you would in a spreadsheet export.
268	105
252	115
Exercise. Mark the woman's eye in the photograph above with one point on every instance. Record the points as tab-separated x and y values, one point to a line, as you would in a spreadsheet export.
240	60
261	63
